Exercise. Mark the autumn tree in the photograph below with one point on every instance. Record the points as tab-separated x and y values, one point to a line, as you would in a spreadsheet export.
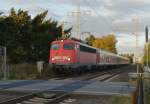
98	43
107	42
146	55
110	43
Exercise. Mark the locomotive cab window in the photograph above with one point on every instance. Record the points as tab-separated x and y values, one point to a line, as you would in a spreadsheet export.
69	46
55	47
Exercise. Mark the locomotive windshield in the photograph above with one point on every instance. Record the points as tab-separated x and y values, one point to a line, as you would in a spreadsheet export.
55	46
69	46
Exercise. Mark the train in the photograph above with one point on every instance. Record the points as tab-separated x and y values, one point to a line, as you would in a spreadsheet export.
72	55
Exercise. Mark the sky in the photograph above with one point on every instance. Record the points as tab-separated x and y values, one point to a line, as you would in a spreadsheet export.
124	18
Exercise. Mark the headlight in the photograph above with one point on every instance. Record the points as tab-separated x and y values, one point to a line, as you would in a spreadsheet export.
53	59
69	59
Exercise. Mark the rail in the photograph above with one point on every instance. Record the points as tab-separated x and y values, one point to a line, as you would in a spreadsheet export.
52	97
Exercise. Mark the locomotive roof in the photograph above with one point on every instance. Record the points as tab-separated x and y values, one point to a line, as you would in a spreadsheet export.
74	41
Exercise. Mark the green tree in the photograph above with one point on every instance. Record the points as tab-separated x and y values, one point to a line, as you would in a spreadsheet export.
43	32
28	39
22	35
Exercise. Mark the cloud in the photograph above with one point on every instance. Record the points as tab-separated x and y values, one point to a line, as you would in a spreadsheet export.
106	16
112	15
127	44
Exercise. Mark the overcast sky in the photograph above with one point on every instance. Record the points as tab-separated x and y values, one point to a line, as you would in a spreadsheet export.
105	16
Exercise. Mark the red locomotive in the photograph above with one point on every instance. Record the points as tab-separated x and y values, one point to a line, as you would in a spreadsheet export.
74	56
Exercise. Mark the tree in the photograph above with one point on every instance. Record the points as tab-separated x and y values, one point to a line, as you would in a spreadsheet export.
110	43
22	35
90	39
28	39
107	42
43	32
98	43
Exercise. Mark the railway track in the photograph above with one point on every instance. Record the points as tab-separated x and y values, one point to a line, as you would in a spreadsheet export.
111	76
46	97
43	97
100	76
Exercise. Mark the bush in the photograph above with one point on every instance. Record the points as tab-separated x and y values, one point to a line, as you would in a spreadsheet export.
23	71
28	71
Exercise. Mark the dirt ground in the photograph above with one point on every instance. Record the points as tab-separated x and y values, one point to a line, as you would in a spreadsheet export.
123	77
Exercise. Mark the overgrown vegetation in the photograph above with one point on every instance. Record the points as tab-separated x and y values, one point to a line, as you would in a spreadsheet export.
28	71
23	71
121	100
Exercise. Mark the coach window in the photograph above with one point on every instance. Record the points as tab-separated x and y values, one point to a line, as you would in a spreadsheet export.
69	46
87	49
55	47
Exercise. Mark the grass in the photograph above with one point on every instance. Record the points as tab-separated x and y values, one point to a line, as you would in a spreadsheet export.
121	100
27	71
148	99
23	71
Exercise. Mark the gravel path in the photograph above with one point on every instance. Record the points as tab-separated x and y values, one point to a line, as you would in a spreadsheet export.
123	77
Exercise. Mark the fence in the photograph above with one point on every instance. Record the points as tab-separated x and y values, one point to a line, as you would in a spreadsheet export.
28	71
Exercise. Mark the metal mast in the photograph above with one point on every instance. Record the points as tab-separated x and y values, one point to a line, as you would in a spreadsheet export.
136	20
77	26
